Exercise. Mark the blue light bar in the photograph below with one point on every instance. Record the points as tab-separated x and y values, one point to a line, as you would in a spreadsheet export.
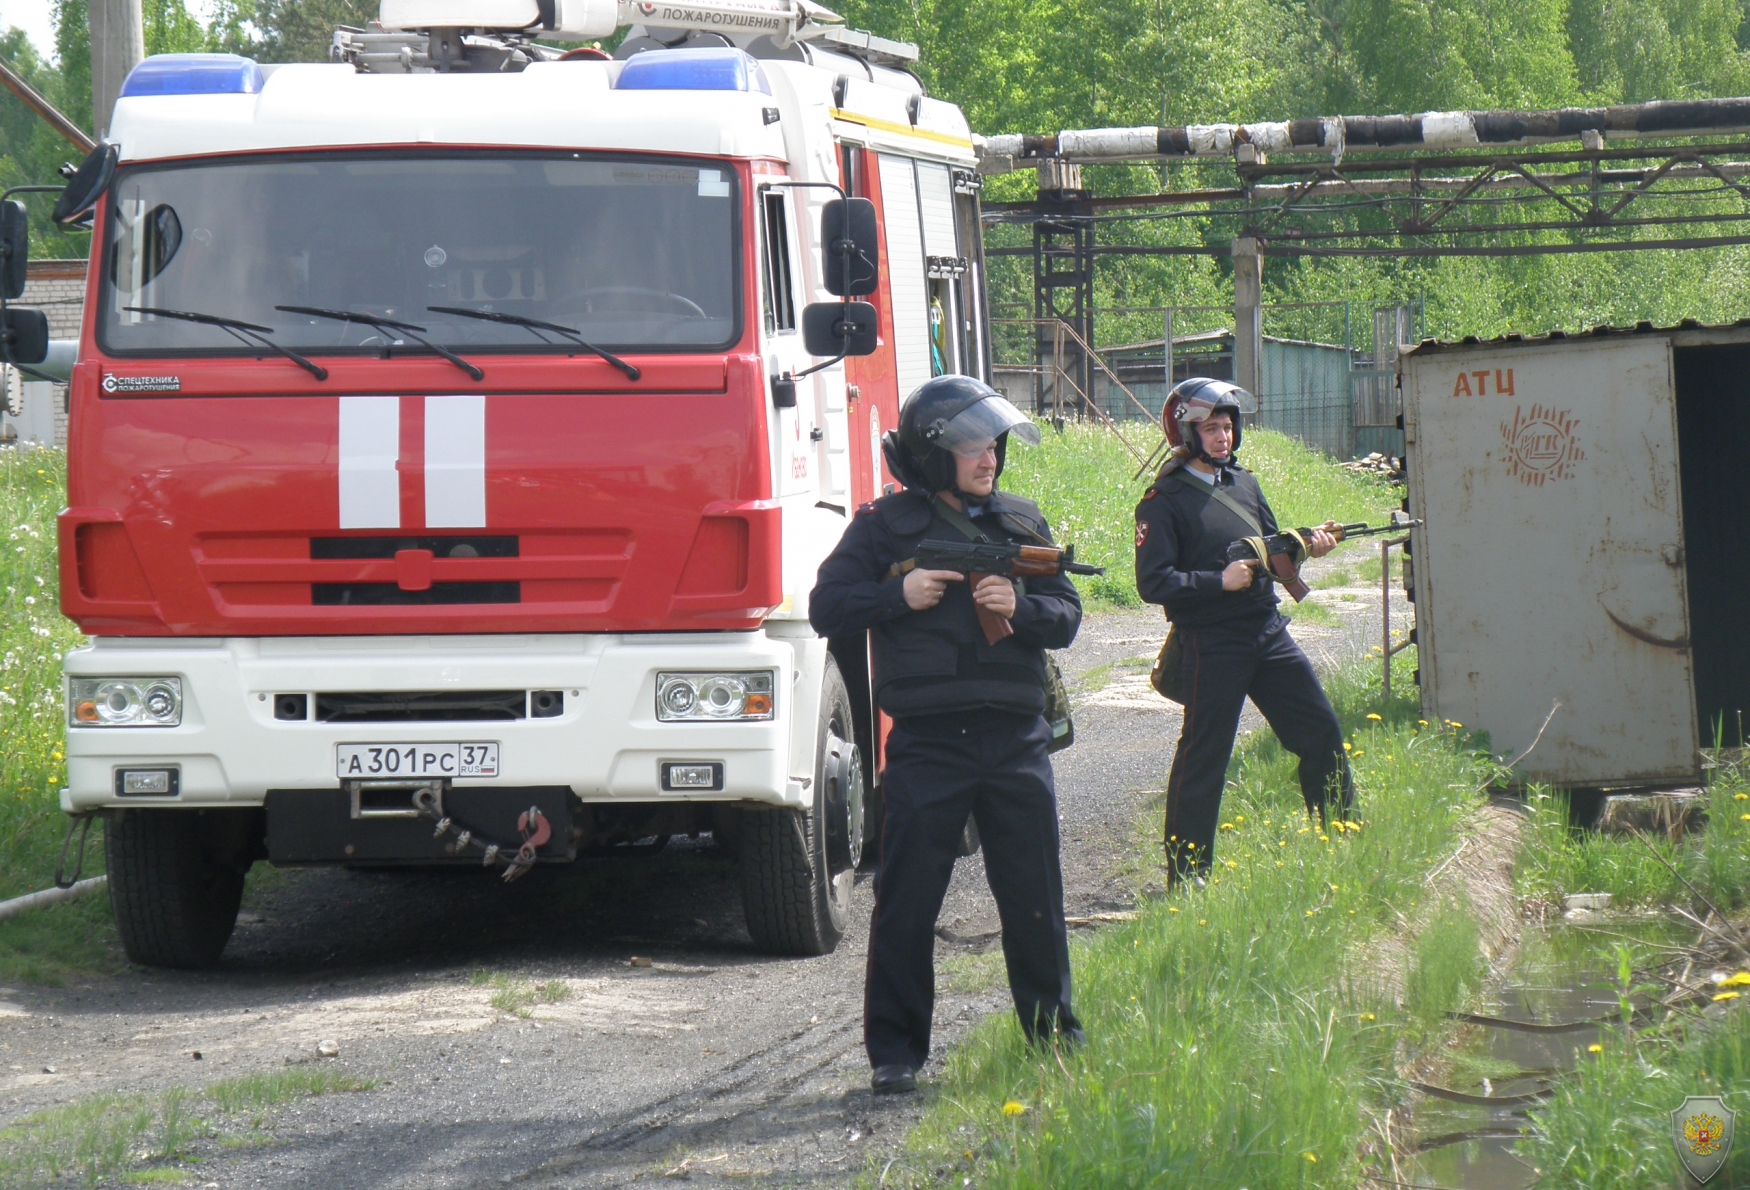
194	74
714	69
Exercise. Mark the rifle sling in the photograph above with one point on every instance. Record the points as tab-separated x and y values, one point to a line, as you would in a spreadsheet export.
1260	544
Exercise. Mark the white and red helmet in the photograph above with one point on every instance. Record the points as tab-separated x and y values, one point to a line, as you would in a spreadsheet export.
1199	397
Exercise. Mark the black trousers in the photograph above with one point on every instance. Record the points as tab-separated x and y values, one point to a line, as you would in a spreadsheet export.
940	768
1223	665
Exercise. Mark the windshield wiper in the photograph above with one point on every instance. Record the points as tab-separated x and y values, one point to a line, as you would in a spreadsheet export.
535	326
245	332
388	324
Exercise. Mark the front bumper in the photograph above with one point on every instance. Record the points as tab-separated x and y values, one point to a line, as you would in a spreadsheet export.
607	745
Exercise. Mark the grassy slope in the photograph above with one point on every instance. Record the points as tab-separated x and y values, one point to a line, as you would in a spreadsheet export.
33	636
1082	479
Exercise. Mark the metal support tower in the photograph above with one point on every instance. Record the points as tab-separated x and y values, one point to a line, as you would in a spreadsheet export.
1063	280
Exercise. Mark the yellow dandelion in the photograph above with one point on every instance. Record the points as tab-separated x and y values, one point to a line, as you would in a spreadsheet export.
1595	1049
1324	838
1375	718
1739	980
1239	817
1368	1016
1360	752
1279	863
1283	843
1305	829
1227	826
1172	908
1741	797
1014	1108
1455	724
1202	921
1232	864
1421	723
1744	818
1347	746
1727	996
1312	1157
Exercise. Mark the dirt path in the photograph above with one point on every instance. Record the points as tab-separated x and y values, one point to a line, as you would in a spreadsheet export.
713	1061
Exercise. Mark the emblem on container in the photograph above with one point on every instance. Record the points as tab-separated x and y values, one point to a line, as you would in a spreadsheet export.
1541	445
1701	1130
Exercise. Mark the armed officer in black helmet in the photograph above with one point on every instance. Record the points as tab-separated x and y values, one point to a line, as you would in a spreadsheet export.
968	735
1235	643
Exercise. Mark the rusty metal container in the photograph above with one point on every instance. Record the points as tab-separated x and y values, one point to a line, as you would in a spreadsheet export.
1556	479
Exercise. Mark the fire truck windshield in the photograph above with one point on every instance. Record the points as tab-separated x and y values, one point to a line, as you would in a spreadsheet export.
633	253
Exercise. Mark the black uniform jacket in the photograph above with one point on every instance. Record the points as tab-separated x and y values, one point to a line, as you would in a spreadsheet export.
937	661
1182	535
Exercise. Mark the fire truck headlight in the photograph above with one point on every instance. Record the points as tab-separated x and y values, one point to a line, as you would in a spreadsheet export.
124	702
706	696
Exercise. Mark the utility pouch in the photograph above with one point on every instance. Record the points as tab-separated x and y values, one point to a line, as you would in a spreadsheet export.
1057	708
1168	675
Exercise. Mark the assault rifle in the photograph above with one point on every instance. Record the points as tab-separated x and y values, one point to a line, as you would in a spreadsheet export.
1284	552
975	559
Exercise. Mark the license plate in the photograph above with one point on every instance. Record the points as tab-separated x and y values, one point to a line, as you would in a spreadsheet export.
369	762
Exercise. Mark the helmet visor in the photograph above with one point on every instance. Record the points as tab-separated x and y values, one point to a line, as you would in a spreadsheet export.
977	427
1210	395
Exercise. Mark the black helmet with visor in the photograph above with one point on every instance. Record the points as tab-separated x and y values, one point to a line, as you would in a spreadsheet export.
948	416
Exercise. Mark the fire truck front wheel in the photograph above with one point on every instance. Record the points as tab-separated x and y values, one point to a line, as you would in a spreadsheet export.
176	879
796	868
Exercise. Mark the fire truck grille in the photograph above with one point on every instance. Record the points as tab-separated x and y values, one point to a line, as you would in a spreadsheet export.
387	594
388	547
422	706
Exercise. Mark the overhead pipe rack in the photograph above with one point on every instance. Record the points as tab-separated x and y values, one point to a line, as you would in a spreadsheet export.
1340	135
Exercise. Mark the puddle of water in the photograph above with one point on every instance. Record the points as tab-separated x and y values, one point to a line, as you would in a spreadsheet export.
1564	975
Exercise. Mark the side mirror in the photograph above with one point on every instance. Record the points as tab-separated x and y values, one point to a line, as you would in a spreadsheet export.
24	338
143	250
839	328
87	184
14	248
849	246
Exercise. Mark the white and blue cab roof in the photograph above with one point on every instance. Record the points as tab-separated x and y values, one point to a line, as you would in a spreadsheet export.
710	101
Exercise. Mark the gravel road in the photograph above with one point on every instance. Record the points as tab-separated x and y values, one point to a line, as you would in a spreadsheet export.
712	1062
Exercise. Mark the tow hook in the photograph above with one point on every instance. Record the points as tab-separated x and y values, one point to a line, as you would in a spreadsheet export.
425	799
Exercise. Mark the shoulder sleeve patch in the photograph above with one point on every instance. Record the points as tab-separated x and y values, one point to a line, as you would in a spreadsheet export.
1141	533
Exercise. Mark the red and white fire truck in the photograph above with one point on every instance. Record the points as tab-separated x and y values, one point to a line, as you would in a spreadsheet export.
457	428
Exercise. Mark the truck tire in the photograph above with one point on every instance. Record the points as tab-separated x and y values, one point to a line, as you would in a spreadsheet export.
175	881
795	901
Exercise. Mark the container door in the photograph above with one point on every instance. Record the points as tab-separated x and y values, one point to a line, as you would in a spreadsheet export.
1551	564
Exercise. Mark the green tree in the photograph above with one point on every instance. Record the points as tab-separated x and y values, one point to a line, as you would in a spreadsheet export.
1631	52
171	29
301	30
73	53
